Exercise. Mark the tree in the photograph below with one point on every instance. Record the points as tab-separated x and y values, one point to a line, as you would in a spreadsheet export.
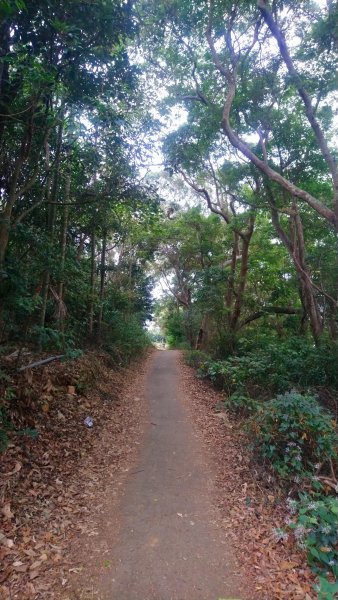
229	66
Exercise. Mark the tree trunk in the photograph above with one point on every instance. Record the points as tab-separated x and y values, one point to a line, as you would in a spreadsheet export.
17	188
5	221
55	184
92	285
236	313
231	280
202	336
295	245
102	279
63	249
51	195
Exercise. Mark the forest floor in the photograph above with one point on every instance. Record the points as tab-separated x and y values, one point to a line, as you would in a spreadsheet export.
159	500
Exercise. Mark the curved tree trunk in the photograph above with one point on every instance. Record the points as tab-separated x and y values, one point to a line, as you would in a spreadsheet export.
295	245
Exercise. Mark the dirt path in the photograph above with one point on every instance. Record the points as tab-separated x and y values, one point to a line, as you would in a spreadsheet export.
169	545
162	541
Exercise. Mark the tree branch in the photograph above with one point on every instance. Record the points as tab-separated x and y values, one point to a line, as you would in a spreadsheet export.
245	149
277	310
309	110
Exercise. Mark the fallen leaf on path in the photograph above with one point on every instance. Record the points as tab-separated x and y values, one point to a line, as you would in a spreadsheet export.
33	575
6	511
285	565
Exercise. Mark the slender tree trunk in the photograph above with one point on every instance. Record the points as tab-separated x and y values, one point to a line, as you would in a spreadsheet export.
55	184
5	223
235	294
51	196
236	313
295	244
44	298
6	213
92	285
316	320
5	100
229	298
16	187
102	279
63	249
80	247
46	275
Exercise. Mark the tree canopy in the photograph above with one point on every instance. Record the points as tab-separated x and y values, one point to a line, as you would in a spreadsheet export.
176	161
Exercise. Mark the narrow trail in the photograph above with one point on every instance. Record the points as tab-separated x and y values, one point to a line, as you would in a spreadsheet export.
170	546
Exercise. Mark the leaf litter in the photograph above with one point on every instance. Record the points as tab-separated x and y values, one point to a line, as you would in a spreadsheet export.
51	486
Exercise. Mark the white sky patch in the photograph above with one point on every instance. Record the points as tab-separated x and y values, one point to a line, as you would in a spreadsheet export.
175	118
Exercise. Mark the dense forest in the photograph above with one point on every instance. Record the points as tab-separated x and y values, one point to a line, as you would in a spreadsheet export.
76	221
176	163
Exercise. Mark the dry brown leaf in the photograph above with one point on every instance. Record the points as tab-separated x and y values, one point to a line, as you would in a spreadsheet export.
30	552
20	567
17	468
6	511
44	557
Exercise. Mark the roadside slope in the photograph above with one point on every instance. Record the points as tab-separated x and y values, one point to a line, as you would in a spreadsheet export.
53	486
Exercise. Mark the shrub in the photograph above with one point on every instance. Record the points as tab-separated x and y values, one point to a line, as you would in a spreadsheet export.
315	529
237	373
124	338
294	433
195	358
275	368
318	520
241	404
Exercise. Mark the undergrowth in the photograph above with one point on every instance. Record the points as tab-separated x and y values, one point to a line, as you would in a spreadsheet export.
274	390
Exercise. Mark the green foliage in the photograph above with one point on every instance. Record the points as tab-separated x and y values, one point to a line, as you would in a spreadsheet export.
295	434
72	354
126	338
326	589
48	338
8	7
235	372
195	358
175	329
319	519
69	181
315	529
5	427
241	404
274	366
